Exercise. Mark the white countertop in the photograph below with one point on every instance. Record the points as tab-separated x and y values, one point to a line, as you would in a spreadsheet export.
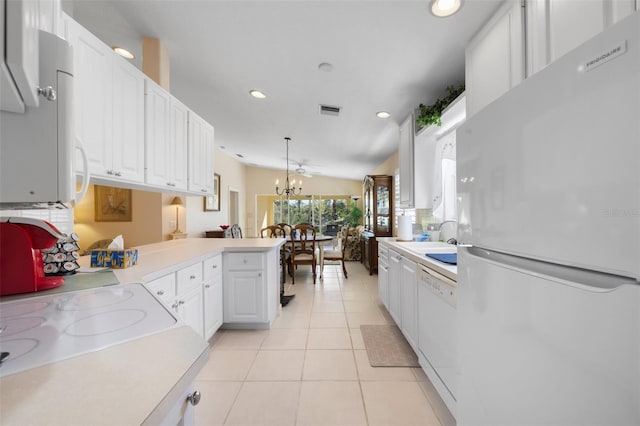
156	260
416	252
128	383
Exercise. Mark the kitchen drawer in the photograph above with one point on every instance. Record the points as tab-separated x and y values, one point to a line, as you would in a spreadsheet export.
383	253
213	269
243	261
164	288
189	277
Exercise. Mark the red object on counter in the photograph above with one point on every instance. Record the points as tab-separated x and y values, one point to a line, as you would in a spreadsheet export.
21	266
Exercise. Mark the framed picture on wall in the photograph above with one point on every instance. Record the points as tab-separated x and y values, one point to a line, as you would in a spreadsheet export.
112	204
212	202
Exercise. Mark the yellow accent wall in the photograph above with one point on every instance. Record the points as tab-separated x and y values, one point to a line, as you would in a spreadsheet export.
145	226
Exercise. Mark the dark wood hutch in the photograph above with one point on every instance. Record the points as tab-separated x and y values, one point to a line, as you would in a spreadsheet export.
378	217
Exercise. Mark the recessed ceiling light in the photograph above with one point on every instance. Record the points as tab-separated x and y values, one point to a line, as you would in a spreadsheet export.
383	114
123	52
325	66
443	8
257	94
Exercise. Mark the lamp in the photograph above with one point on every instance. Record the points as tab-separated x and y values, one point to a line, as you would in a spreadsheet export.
177	201
289	189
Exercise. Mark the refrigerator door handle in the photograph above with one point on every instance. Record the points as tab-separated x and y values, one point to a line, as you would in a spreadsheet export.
593	281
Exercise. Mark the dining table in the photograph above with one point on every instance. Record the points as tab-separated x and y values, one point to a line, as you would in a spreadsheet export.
320	240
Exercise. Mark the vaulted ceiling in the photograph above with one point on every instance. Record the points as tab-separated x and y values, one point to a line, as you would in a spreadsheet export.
386	55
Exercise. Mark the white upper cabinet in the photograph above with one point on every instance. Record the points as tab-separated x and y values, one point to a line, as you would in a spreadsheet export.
405	150
127	144
554	27
166	121
92	96
200	147
133	131
495	57
109	108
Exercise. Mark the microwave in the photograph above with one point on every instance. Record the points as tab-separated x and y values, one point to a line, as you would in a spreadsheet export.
36	146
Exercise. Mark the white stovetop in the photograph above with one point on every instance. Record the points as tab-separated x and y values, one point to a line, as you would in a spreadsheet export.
45	329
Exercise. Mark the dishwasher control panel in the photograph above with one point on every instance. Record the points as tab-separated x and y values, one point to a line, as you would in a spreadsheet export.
441	288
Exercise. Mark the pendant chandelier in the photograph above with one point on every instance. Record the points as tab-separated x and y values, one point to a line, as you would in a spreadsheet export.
289	187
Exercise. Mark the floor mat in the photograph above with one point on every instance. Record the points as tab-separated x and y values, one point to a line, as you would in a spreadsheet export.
387	347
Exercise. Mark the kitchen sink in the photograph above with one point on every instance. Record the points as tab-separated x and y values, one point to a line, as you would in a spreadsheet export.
428	247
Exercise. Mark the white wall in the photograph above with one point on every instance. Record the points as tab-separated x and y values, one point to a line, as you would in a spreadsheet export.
232	174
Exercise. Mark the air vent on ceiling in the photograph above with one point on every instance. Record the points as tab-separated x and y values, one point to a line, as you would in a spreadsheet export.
329	110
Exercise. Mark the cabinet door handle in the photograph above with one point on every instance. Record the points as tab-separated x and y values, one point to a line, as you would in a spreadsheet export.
259	274
160	292
214	266
192	277
181	302
194	398
174	306
207	286
118	174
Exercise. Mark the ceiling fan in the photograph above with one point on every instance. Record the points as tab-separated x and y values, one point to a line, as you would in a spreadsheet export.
303	172
301	168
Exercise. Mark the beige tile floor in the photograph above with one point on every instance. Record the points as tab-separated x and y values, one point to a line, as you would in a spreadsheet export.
311	367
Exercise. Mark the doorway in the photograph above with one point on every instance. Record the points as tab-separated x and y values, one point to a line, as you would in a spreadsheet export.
234	206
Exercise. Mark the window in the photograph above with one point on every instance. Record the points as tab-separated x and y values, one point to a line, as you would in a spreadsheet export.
318	210
399	210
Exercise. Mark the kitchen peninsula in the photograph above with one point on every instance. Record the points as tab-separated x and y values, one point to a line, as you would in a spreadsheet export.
148	379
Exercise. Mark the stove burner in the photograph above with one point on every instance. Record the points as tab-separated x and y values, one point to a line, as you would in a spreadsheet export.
98	299
23	308
105	322
13	326
18	348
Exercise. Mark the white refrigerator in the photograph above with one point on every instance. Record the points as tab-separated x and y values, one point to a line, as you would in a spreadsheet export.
549	244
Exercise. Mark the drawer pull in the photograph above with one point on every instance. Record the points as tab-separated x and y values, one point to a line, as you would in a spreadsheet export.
160	292
194	398
207	286
181	302
214	266
174	306
192	277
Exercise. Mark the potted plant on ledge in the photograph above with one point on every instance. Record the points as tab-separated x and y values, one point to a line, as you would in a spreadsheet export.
432	114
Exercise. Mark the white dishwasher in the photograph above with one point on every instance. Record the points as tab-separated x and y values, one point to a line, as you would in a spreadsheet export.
437	333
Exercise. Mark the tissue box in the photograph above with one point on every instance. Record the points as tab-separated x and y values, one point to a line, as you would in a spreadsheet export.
117	259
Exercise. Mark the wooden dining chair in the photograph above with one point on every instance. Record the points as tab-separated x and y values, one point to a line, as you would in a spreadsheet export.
273	231
236	231
287	228
303	249
338	254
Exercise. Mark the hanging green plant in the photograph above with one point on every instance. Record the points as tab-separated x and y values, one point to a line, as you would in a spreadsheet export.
432	114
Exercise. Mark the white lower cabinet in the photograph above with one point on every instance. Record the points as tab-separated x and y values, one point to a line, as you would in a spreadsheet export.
383	275
182	292
422	302
409	301
251	288
394	286
183	411
190	309
213	316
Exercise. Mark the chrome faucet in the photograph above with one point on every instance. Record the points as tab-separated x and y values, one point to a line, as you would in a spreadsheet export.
450	240
446	221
